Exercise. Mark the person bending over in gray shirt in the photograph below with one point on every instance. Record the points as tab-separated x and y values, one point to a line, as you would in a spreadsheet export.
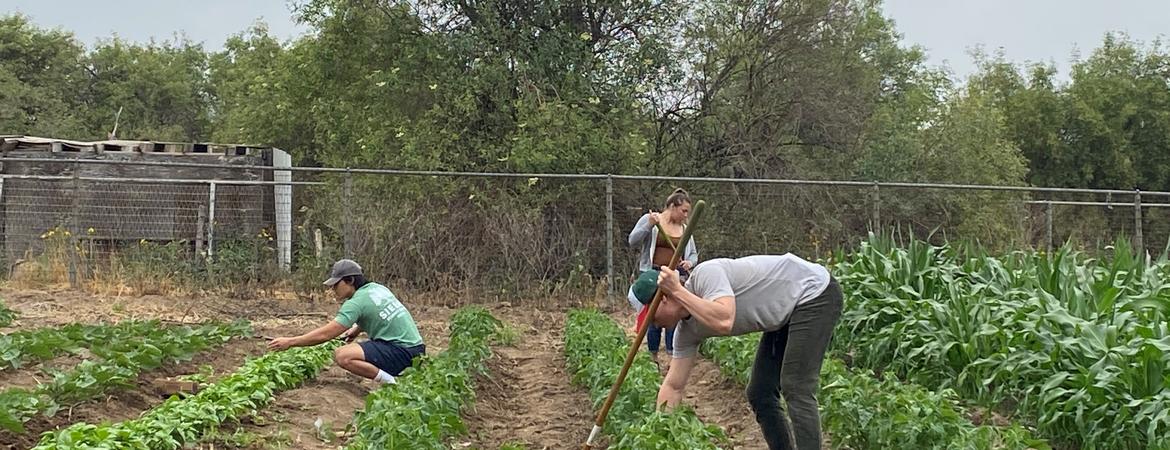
794	303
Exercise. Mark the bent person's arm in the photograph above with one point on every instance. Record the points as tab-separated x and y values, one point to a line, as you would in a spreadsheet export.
319	335
671	392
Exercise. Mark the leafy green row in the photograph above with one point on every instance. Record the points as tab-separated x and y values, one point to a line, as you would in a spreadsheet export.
595	348
124	360
182	421
859	411
6	315
1081	345
423	408
21	347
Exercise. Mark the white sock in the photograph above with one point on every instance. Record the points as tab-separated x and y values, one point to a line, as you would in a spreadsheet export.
385	377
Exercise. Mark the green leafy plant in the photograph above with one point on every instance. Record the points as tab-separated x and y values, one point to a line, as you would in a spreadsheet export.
860	411
1076	344
122	362
6	315
595	348
506	335
423	408
23	347
180	421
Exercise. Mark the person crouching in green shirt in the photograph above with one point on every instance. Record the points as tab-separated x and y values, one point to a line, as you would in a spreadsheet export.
372	308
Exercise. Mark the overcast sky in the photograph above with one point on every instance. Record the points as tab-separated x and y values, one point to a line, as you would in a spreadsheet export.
1027	30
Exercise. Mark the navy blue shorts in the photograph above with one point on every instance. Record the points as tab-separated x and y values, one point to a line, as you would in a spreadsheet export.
389	356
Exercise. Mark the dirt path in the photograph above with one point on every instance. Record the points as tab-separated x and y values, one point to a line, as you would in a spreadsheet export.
527	396
720	401
717	400
332	398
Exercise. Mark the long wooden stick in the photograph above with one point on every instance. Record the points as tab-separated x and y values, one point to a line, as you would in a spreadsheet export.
696	212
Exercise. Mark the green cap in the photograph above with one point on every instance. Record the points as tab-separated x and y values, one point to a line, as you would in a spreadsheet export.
645	286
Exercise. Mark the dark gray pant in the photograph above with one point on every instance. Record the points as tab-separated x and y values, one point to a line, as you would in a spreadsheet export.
788	366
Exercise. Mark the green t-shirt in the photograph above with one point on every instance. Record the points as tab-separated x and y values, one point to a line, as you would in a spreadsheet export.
379	313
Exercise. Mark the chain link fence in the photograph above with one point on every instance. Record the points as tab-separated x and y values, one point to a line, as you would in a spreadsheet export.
507	235
82	228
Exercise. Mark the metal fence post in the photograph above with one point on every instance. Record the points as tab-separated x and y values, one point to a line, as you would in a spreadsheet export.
877	209
1138	243
609	235
73	226
200	226
1048	227
347	225
211	221
3	242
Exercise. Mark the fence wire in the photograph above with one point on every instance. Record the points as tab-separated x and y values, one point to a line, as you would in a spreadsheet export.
508	234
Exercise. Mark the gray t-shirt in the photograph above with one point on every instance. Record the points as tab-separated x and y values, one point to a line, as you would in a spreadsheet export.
766	289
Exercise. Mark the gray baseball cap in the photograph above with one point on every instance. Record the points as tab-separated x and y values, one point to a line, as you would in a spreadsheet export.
342	269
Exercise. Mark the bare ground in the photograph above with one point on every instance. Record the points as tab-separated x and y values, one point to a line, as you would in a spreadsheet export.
527	396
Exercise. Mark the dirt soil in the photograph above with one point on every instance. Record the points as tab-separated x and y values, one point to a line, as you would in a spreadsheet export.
525	398
720	401
128	404
332	398
287	423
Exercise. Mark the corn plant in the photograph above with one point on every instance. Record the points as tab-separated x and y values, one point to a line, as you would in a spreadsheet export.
595	349
861	412
422	409
1076	344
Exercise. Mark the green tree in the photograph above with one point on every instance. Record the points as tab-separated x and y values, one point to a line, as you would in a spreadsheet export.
161	90
1108	127
41	72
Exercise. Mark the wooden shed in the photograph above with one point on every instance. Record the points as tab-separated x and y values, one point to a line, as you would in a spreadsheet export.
102	190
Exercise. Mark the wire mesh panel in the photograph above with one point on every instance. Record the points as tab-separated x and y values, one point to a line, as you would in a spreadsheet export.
242	211
119	211
508	233
33	209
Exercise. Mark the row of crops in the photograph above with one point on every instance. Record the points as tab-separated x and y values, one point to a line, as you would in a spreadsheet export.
118	354
1077	346
421	411
181	421
595	349
860	411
